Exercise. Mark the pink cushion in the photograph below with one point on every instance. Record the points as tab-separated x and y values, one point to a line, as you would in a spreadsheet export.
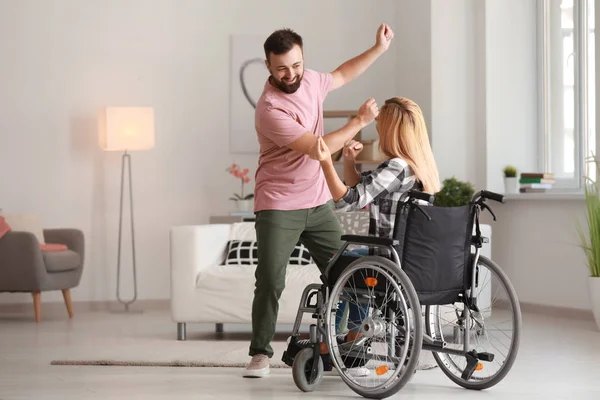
53	247
4	227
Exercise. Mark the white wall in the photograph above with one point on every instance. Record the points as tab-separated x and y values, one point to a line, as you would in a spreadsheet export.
511	88
484	91
413	55
536	244
454	87
62	61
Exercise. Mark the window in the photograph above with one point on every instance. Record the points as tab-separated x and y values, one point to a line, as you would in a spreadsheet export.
567	90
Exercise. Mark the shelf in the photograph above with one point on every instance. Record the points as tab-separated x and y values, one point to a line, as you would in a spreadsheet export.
546	196
340	114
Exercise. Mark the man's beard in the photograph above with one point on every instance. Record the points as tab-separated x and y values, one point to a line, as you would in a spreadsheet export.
284	87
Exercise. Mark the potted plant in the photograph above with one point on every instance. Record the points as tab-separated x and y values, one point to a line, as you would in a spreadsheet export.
454	193
244	203
511	184
590	243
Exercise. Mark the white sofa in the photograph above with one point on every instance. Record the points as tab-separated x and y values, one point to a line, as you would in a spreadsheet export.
205	291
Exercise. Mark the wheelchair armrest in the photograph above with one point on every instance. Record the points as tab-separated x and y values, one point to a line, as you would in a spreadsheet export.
370	240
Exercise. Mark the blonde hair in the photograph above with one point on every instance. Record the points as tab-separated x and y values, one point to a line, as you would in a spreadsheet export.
403	134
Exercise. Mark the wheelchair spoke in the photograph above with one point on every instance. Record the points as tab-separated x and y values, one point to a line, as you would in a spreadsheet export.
389	341
493	329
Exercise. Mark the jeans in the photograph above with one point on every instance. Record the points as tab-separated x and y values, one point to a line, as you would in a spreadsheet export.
277	233
356	313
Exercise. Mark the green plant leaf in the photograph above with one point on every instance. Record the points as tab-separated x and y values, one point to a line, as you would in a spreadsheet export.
590	236
510	171
454	193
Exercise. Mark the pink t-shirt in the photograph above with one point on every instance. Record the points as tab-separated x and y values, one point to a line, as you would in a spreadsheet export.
287	179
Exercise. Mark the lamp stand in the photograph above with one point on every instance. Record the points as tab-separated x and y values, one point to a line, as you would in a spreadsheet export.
126	157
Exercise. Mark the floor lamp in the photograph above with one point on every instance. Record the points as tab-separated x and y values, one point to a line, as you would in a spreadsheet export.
126	129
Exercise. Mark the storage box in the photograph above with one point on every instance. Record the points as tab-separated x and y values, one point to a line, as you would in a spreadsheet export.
370	151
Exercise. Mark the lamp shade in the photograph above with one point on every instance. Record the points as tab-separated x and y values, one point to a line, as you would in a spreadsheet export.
126	128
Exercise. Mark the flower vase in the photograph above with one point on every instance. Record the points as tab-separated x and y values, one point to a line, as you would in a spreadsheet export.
245	205
511	185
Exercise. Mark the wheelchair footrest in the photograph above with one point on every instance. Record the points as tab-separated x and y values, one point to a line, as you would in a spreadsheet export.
294	348
473	358
485	357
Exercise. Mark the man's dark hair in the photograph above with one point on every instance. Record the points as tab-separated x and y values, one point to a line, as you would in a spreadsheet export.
281	41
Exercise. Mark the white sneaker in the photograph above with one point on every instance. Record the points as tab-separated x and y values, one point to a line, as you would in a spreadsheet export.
358	372
258	367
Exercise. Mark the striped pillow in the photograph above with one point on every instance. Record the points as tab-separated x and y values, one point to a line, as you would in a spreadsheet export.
245	252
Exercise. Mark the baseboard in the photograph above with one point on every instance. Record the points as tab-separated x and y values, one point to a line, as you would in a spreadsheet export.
56	308
556	311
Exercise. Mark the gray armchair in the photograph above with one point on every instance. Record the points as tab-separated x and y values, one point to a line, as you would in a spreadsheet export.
25	268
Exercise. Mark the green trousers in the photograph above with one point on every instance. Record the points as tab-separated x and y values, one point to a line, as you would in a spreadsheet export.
277	232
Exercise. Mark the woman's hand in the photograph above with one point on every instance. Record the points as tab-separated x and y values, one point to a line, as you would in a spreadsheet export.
320	151
351	150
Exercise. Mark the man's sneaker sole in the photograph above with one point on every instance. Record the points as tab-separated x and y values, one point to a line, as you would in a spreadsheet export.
256	373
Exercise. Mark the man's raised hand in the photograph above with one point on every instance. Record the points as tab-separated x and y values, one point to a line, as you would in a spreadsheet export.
368	111
384	37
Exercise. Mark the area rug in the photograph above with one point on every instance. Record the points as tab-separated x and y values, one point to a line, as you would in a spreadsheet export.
173	353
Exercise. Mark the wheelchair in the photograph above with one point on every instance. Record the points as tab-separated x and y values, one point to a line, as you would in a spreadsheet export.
427	288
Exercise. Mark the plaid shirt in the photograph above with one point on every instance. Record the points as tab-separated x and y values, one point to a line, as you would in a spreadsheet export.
382	189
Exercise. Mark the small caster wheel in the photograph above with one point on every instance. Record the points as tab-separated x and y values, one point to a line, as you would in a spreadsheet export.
302	369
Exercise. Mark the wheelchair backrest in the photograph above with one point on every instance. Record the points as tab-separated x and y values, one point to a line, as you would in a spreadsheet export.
435	253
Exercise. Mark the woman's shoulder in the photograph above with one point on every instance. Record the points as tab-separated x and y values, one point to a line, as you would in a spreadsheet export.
396	163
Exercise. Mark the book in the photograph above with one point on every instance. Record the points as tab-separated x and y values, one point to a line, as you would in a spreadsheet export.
530	190
536	180
536	186
540	175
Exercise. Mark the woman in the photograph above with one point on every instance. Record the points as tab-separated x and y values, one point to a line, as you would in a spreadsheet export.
410	164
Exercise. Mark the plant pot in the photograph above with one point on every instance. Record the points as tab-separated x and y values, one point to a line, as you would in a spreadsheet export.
594	289
245	205
511	185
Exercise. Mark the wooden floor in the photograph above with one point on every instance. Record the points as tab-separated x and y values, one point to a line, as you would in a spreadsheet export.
559	359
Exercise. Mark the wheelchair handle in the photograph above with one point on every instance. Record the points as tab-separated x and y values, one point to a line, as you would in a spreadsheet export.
486	194
418	207
416	194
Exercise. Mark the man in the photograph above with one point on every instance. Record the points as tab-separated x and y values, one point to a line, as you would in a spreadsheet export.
292	200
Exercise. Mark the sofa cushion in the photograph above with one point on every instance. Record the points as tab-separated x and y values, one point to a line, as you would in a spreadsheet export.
25	223
53	247
245	252
60	261
4	227
242	231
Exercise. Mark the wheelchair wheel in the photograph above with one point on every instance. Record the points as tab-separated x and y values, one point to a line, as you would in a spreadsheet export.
387	352
494	329
302	370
